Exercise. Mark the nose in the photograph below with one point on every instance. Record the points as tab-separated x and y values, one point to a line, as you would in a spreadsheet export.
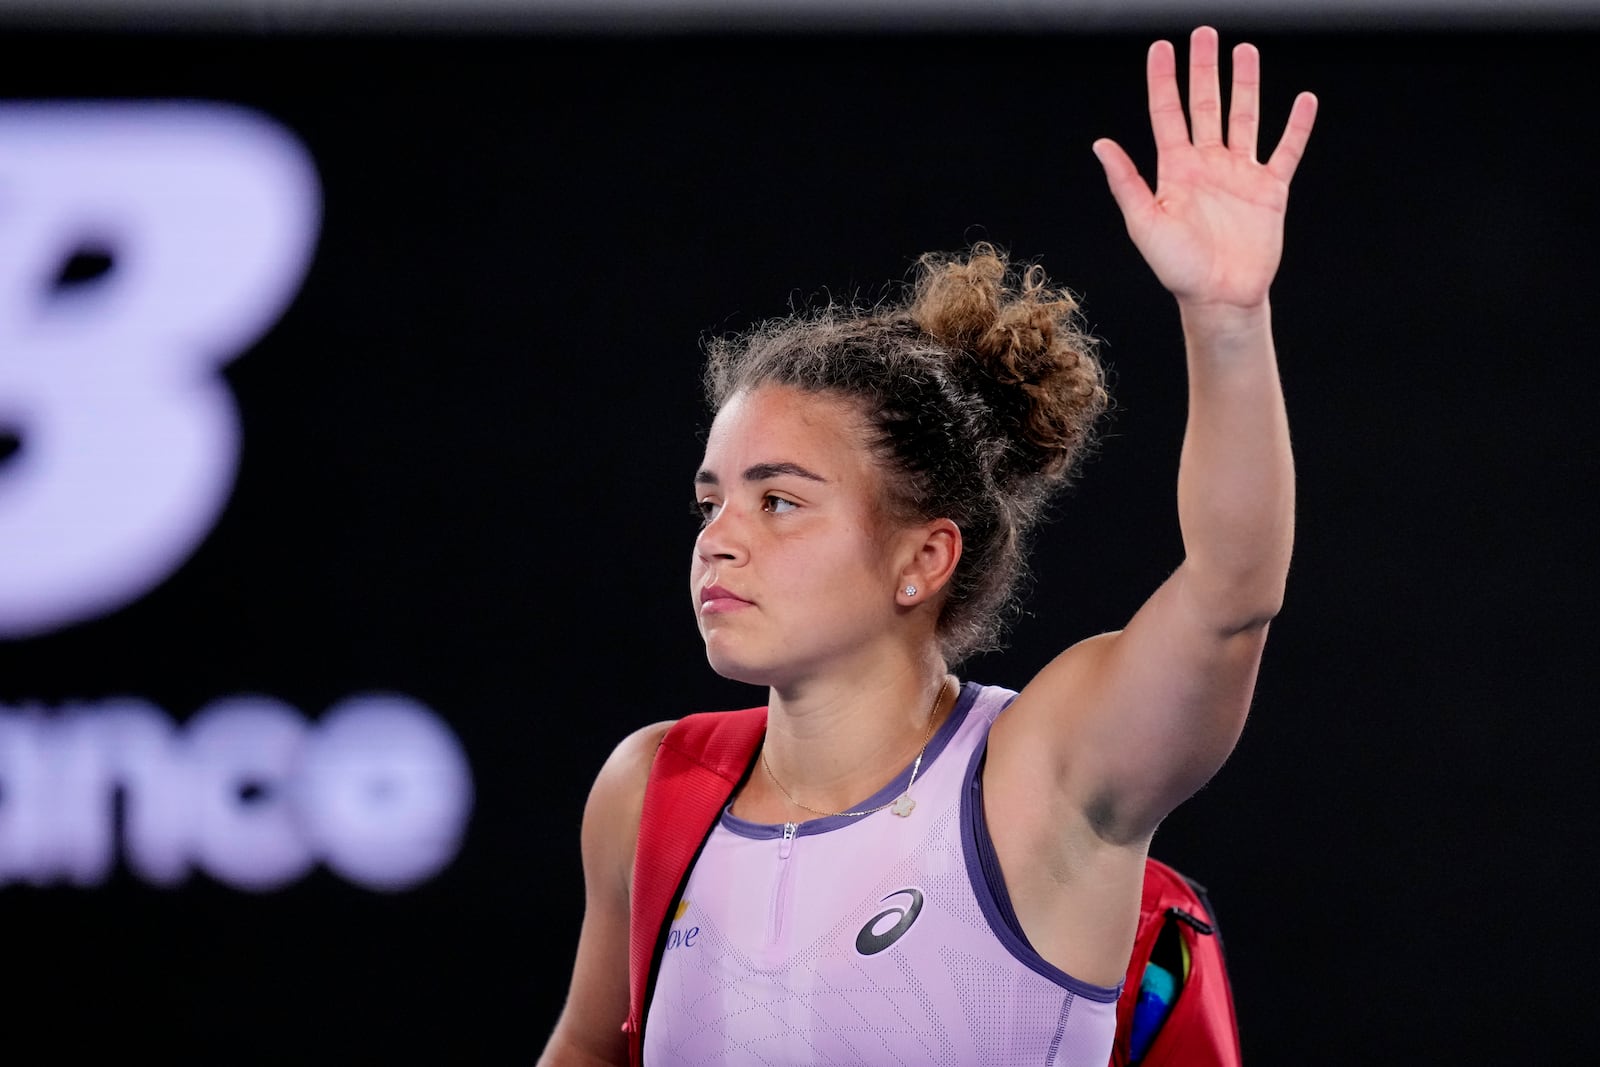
722	538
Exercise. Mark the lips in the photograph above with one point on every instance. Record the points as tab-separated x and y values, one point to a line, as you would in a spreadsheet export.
715	598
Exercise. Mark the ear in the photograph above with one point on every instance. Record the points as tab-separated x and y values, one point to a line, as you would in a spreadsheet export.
931	552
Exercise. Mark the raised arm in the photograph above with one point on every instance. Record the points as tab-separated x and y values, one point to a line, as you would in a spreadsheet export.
1131	723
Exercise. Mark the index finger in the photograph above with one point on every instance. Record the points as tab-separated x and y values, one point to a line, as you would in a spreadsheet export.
1286	157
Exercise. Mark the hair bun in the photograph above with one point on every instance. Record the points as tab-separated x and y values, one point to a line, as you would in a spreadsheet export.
1024	340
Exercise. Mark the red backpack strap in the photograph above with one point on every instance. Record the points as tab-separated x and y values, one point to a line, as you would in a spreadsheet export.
700	762
1202	1028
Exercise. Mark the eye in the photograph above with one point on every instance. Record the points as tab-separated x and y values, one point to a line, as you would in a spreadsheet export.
704	510
777	505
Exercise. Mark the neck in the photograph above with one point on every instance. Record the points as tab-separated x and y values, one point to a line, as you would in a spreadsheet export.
832	743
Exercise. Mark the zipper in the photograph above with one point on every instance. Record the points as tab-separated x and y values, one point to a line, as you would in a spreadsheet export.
780	893
1199	924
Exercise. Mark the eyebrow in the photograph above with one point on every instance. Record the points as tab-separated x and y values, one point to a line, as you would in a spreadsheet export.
761	472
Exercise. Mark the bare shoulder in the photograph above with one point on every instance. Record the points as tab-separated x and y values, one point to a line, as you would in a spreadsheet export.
1032	745
1075	891
629	763
611	816
588	1031
1051	701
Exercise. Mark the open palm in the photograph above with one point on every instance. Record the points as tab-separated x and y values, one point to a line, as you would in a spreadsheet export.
1213	228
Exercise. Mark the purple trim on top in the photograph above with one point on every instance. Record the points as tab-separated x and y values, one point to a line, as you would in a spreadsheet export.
989	886
761	831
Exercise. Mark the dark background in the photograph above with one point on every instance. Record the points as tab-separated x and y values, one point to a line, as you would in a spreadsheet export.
467	452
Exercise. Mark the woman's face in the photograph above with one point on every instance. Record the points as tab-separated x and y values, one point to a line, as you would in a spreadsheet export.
795	569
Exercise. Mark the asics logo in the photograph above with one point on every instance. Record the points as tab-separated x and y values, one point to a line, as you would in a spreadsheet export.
872	940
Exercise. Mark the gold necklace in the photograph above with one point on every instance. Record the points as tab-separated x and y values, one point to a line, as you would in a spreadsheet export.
902	805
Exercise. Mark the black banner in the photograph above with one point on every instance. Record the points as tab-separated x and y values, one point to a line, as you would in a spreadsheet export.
349	403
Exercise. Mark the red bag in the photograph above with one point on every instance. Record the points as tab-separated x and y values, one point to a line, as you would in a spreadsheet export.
1177	931
701	761
705	757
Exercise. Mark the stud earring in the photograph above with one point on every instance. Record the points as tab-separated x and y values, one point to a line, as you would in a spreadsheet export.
911	590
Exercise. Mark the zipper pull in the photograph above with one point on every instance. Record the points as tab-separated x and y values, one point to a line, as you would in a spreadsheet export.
788	840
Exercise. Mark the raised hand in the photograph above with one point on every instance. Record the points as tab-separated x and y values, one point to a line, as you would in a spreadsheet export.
1213	229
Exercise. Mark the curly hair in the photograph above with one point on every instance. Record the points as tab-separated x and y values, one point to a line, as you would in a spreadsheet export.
981	390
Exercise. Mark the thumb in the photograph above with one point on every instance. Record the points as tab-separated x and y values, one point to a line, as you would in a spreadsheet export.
1128	189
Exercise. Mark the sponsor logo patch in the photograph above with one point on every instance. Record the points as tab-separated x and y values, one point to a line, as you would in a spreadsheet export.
874	937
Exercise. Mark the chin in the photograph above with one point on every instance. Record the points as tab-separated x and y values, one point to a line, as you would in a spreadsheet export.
737	669
737	664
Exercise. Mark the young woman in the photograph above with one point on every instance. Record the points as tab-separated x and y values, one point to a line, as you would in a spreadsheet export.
868	482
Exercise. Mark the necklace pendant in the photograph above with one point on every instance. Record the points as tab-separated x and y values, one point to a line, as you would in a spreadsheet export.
903	806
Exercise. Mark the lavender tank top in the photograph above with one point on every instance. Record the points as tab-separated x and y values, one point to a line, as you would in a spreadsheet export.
870	940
